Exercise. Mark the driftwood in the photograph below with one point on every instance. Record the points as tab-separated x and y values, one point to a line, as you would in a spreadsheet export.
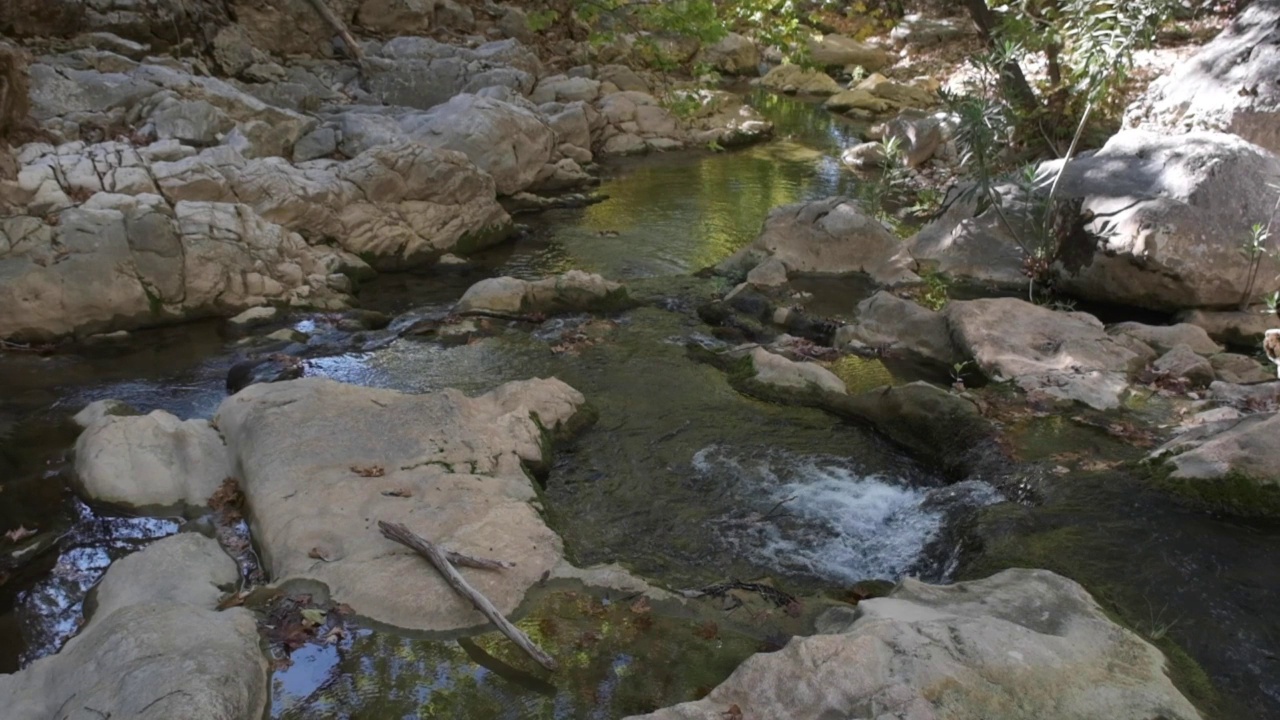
339	27
406	537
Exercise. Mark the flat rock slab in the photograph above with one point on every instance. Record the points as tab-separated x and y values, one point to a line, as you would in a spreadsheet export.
1232	465
1066	355
1018	645
322	462
154	648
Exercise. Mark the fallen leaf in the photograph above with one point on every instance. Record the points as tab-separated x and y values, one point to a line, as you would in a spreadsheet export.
641	606
314	616
318	554
344	609
19	534
336	633
398	492
232	600
733	713
708	630
372	471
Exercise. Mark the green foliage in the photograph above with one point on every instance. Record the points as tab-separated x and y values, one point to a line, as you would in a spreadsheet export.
936	294
1254	249
540	20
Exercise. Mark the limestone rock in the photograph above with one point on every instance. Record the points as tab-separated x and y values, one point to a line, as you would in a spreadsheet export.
914	333
828	237
398	16
733	54
573	291
134	658
1240	369
1065	355
418	72
794	79
1019	644
153	460
321	462
865	156
1163	338
779	372
915	30
99	409
840	51
1229	85
1233	327
508	142
1183	362
1232	465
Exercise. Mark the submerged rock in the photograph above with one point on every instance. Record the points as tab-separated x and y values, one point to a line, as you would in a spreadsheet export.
153	460
321	463
154	648
1231	466
781	373
574	291
1020	644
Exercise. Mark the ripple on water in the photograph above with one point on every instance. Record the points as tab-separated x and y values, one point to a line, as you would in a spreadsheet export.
826	518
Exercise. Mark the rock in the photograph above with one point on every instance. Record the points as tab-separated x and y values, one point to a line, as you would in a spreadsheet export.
99	409
253	317
917	31
723	118
911	332
153	460
1231	466
515	24
937	427
1183	362
194	122
563	89
1063	355
1239	369
132	261
1228	85
574	291
272	368
508	142
918	137
827	237
840	51
1163	338
865	156
780	373
963	244
1019	644
1177	208
897	95
1233	327
404	17
321	142
623	78
733	54
323	461
133	658
399	206
1251	398
417	72
796	80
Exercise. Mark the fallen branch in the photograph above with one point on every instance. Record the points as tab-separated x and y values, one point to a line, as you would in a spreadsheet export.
406	537
339	27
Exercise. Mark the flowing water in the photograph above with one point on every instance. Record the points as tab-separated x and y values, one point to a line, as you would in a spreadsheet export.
681	479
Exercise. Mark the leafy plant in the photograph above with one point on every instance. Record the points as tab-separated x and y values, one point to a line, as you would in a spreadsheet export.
540	20
936	291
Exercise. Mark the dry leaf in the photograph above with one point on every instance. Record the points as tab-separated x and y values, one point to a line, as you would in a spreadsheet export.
336	633
641	606
373	471
708	630
313	616
318	554
733	713
19	534
398	492
232	600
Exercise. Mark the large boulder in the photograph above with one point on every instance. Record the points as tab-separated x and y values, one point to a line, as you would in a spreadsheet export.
1229	85
397	205
153	460
1231	466
573	291
780	373
1066	355
510	143
1163	338
910	332
827	237
123	262
322	462
1173	212
1018	645
134	658
965	244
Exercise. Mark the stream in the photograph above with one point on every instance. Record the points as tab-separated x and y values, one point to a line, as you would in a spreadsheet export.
681	480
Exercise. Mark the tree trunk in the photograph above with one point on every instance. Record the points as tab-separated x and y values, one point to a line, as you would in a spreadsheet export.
1011	75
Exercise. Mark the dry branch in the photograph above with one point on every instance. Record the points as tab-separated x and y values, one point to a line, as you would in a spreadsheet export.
441	561
340	27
